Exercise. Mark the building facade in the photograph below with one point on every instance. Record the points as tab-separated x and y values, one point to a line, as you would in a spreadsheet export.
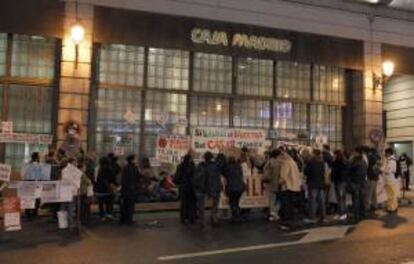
298	70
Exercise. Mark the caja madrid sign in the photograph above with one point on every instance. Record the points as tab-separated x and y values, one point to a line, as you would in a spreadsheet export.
240	40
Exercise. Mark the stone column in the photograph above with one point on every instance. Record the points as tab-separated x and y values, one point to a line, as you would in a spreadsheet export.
75	76
368	103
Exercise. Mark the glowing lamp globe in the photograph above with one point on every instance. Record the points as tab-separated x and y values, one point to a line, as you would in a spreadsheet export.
77	33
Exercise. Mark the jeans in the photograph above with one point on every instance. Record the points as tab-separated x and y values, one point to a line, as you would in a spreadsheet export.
358	203
201	197
274	204
70	208
371	194
234	200
106	204
317	201
340	190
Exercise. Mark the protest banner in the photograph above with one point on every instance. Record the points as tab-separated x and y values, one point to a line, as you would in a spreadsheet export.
171	148
5	171
26	138
36	172
27	203
214	139
72	175
57	192
6	127
11	209
255	195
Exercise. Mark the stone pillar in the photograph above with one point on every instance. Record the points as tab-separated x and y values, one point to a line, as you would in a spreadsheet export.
368	103
75	77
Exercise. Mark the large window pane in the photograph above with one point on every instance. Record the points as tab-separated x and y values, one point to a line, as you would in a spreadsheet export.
33	57
255	77
3	48
164	113
29	108
118	120
212	73
329	84
168	69
209	111
122	64
290	120
327	121
293	80
251	113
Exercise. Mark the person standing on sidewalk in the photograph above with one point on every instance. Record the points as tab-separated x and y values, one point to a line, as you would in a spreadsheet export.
184	179
234	187
339	179
389	170
315	173
374	171
129	190
271	174
359	171
104	188
405	163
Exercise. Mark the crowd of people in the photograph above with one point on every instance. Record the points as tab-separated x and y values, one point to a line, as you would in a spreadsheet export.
304	185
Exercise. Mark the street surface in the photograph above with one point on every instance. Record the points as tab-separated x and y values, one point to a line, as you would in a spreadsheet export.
384	240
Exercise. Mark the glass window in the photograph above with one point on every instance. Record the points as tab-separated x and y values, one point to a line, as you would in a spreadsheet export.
3	49
33	57
251	113
118	120
329	84
255	77
29	107
327	121
168	69
164	113
293	80
122	64
209	111
212	73
290	120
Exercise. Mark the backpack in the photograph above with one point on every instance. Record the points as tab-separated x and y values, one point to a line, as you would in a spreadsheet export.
200	178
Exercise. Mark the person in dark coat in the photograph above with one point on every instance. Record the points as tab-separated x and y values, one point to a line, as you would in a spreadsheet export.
207	182
374	171
235	186
105	188
129	190
315	180
339	178
405	162
359	171
184	179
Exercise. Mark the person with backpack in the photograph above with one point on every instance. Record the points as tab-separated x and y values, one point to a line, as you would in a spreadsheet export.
404	163
207	184
184	179
389	170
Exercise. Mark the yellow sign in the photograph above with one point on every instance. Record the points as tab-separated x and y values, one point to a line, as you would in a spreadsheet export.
221	38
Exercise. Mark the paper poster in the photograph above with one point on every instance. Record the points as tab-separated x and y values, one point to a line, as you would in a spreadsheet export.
214	139
27	189
36	172
7	127
11	208
119	151
66	192
155	162
5	171
255	195
171	148
50	192
26	138
27	202
72	175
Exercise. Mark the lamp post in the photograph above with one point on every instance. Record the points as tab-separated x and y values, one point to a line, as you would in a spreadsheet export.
77	34
387	72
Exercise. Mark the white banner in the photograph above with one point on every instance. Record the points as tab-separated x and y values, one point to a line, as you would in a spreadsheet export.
171	148
5	171
214	139
72	175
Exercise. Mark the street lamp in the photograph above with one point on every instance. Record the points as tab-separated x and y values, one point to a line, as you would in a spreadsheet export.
77	33
387	72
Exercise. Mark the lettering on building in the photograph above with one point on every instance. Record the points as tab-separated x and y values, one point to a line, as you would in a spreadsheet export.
239	40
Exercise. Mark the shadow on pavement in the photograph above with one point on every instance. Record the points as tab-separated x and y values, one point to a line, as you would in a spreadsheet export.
392	221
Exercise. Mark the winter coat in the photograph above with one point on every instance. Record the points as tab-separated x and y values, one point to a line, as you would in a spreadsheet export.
234	178
374	169
389	169
184	176
208	178
105	180
129	181
339	171
315	173
359	171
271	174
290	176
